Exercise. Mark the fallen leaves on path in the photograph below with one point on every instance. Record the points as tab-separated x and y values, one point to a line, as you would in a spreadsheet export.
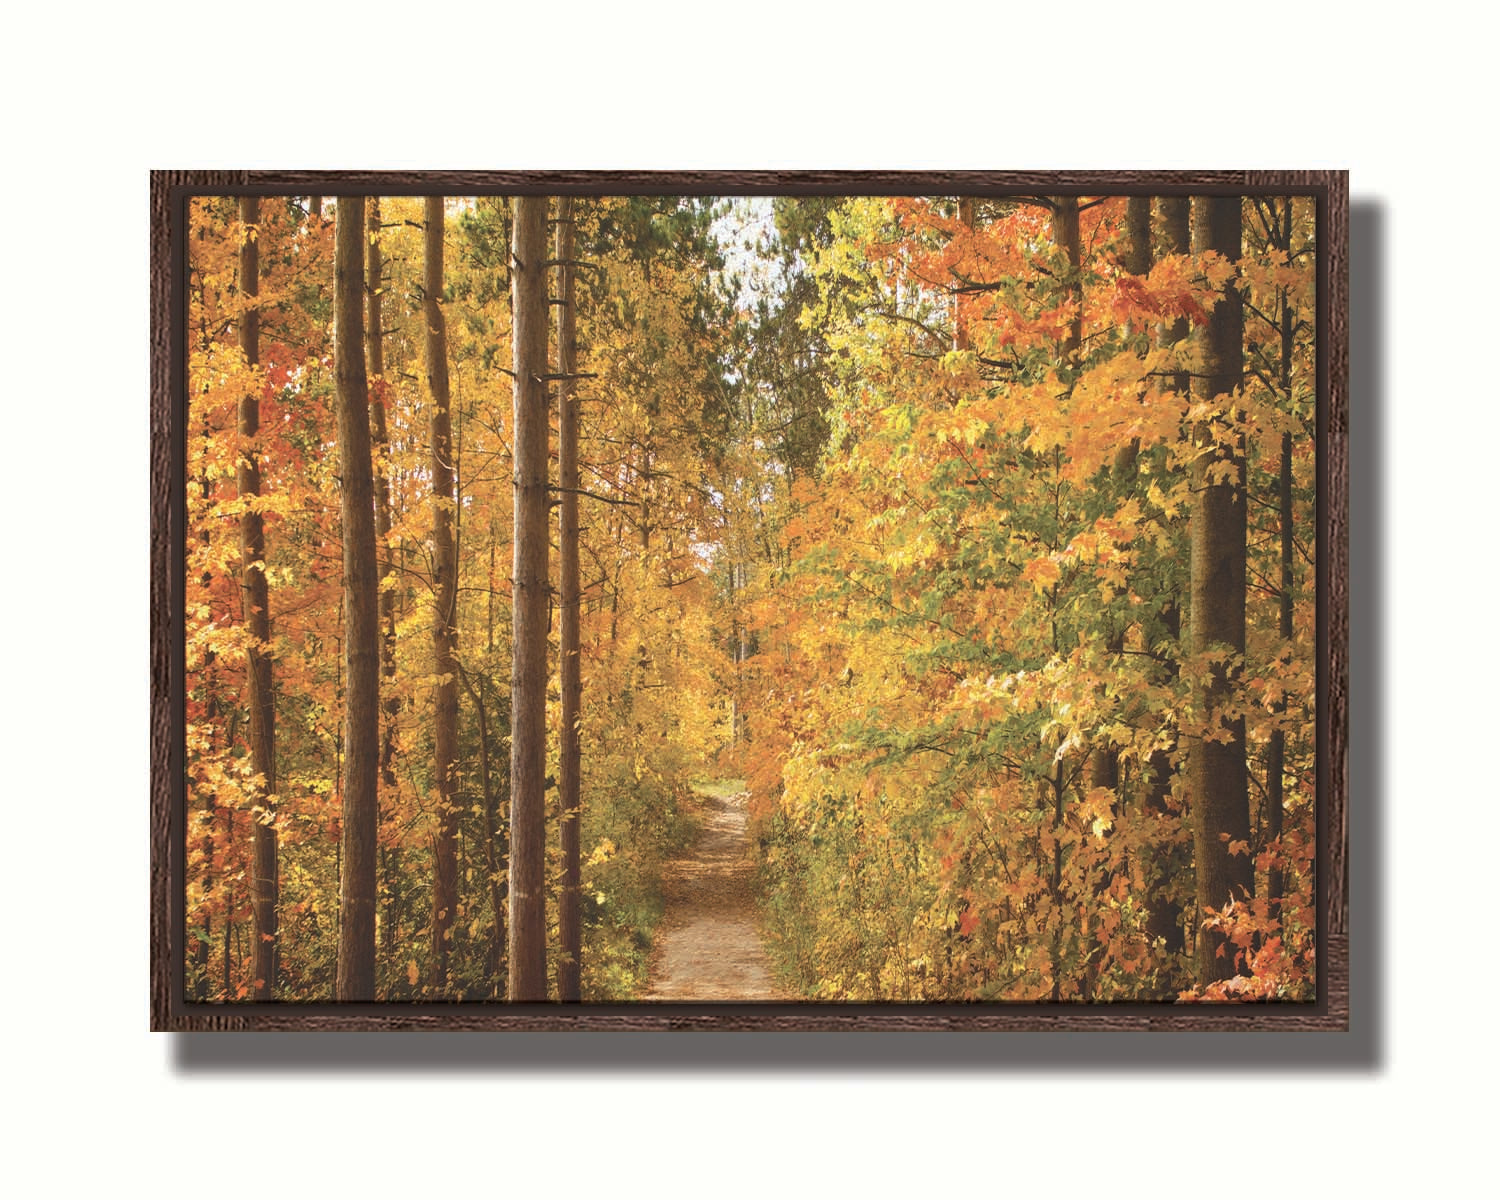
708	946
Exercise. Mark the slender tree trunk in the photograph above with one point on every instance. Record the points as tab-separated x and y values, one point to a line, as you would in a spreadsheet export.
356	956
257	608
494	825
1104	760
1053	793
528	753
961	338
494	586
1138	255
202	949
570	928
1177	237
1137	259
1276	752
202	942
741	647
1066	236
1164	916
315	209
1218	778
225	964
380	395
444	616
202	939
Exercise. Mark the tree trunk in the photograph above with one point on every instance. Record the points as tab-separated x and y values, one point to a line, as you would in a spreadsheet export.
1177	237
961	337
1136	258
1164	916
494	827
1276	751
356	955
225	962
257	608
570	929
380	394
528	752
202	947
444	616
1104	760
1065	235
1221	811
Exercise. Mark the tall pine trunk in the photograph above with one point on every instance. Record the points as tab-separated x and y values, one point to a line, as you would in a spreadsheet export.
380	394
570	928
257	607
1276	751
444	615
1220	800
528	749
356	954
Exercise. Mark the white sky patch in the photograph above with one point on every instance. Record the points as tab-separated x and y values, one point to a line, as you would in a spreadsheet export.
745	234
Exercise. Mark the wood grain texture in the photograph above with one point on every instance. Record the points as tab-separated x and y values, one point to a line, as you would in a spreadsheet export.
1333	533
169	193
1329	1016
768	182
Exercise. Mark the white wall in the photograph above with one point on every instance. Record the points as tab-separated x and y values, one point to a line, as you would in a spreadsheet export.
97	102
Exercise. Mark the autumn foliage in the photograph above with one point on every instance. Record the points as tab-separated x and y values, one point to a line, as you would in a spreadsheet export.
974	702
890	513
651	717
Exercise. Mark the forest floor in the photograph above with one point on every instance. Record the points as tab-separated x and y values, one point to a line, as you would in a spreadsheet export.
708	946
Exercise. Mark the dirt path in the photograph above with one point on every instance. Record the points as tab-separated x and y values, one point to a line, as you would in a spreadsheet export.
708	946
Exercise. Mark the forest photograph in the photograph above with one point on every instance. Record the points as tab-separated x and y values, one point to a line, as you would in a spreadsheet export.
652	599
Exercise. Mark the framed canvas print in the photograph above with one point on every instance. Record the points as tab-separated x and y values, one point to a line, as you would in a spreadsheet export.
749	601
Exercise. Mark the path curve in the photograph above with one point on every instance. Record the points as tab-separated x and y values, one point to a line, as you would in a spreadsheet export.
708	946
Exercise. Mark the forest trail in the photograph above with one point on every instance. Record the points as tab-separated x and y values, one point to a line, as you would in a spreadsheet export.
708	946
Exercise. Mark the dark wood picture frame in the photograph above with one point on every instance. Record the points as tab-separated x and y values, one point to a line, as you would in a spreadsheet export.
170	1010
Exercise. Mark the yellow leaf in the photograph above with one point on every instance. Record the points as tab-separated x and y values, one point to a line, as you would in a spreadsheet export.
1042	572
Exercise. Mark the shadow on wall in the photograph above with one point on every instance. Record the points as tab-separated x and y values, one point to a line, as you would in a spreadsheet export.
1362	1050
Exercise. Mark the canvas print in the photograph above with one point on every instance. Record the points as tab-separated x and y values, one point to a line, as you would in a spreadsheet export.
802	599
